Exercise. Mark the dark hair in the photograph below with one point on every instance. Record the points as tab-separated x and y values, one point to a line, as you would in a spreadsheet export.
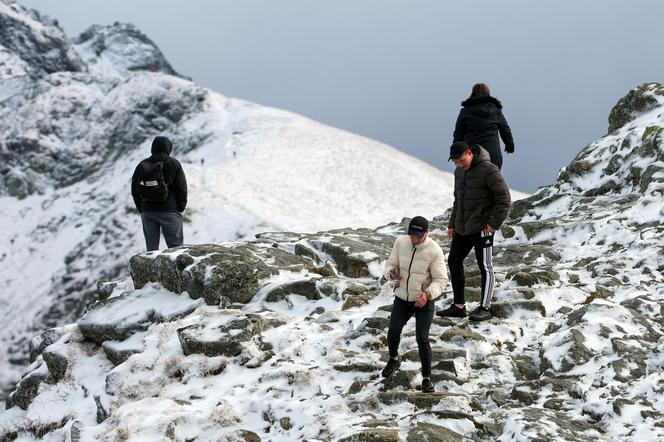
480	90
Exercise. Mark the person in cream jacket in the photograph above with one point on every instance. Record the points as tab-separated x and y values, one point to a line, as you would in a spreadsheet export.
417	264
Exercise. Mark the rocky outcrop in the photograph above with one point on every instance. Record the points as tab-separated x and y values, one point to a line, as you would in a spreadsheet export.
638	101
38	44
123	47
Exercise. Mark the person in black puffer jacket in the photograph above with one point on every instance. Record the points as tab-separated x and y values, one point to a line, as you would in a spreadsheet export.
481	203
163	215
481	120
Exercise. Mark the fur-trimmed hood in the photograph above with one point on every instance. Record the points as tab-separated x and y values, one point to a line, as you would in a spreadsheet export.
474	101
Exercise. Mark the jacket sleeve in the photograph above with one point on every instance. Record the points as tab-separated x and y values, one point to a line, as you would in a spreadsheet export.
392	261
180	188
505	132
438	276
501	198
450	224
459	128
134	190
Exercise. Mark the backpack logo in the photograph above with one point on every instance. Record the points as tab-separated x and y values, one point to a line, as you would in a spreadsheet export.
152	184
488	241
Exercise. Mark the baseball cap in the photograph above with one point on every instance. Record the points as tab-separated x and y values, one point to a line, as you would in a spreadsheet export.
456	149
418	226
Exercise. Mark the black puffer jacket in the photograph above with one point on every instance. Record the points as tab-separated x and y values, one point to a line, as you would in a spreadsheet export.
174	176
481	196
479	122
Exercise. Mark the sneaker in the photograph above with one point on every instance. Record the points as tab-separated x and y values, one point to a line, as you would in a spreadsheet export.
391	367
480	314
427	386
453	311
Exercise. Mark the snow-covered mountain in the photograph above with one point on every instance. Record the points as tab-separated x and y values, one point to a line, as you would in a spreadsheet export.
283	337
77	115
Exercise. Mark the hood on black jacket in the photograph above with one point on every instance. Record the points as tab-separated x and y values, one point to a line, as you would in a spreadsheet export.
473	101
482	106
480	154
161	145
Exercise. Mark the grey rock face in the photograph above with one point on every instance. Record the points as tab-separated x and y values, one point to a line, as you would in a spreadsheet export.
228	339
531	277
374	435
506	309
41	341
57	363
123	43
637	101
306	288
420	400
353	250
425	432
538	423
119	352
206	271
39	42
118	318
26	390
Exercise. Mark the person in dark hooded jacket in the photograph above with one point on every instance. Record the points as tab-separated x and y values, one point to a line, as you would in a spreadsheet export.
164	215
481	120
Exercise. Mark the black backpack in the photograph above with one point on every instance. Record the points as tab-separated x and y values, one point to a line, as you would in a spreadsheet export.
152	185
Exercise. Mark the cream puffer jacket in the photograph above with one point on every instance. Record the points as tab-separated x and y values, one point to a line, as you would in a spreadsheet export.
422	268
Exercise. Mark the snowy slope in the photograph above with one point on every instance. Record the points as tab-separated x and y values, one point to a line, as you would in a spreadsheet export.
76	117
575	351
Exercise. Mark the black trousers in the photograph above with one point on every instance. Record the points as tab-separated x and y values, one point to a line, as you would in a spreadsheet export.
168	223
461	246
402	311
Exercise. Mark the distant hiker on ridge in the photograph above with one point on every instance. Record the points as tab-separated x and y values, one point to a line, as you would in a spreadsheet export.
159	189
481	203
417	263
481	120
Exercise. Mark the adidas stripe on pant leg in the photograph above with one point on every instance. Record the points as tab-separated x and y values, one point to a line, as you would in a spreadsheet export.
486	245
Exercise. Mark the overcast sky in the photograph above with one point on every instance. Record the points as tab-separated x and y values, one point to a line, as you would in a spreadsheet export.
396	71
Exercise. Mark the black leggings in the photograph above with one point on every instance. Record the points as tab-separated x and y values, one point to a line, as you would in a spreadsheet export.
402	311
461	246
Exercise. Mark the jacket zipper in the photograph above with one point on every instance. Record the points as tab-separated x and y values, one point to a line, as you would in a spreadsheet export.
408	279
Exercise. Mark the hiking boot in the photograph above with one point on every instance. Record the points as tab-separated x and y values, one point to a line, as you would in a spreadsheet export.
391	367
453	312
480	314
427	386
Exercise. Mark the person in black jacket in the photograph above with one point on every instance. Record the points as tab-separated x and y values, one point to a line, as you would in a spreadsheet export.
163	212
481	120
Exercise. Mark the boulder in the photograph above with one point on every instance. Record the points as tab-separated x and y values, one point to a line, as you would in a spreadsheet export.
207	271
506	309
119	351
116	319
639	100
418	399
227	334
26	390
540	423
426	432
530	277
304	287
354	250
373	435
460	335
43	340
55	357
